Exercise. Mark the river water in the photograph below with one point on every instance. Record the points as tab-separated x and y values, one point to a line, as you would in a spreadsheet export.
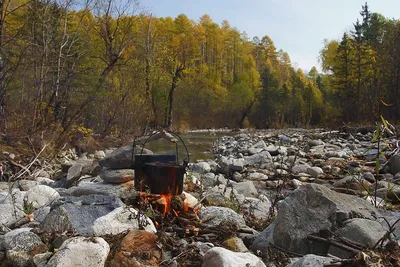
199	145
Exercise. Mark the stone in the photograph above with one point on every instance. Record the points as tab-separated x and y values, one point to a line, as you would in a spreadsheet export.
41	195
237	164
22	247
121	158
222	257
44	181
25	185
117	176
272	150
99	154
257	208
312	209
138	247
301	168
74	173
361	231
315	142
79	213
81	251
200	167
6	239
219	215
296	183
311	260
209	180
235	244
258	159
123	191
246	188
369	177
237	177
120	220
263	241
257	176
394	164
353	182
315	171
11	206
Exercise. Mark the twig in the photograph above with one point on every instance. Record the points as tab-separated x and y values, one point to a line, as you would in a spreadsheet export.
27	167
333	243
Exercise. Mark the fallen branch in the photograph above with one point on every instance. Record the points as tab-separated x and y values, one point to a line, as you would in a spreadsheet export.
334	243
27	167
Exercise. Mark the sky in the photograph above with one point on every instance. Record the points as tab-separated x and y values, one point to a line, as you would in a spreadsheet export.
299	27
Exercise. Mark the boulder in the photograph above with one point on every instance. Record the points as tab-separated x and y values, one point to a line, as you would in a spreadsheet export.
301	168
257	208
222	257
11	206
74	173
41	195
314	209
311	260
123	191
79	213
218	215
315	171
353	182
120	220
22	247
117	176
200	167
258	159
121	158
394	164
81	251
25	185
246	188
138	246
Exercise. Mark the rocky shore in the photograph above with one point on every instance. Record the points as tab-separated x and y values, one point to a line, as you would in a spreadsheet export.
292	197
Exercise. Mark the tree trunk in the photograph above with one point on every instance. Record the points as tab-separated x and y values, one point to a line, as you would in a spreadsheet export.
175	80
3	115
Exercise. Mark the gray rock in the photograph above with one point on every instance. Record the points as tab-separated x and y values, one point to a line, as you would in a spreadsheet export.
81	251
256	207
272	150
74	172
316	142
314	208
79	213
256	176
6	239
301	168
394	164
369	177
237	177
353	182
25	185
41	195
122	191
22	247
311	260
120	220
41	213
121	158
258	159
315	171
200	167
263	241
117	176
222	257
361	231
237	164
246	188
99	154
221	214
209	180
44	181
235	244
11	206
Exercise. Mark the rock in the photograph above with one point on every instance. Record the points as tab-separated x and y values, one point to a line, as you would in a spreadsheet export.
259	209
22	247
43	173
315	171
123	191
41	213
262	242
311	260
296	183
190	200
353	182
389	191
272	150
44	181
237	177
257	159
99	154
221	214
361	231
74	172
200	167
119	220
117	176
222	257
209	180
79	213
312	209
25	185
11	206
237	164
203	247
235	244
246	188
301	168
315	142
138	246
41	195
81	251
41	258
394	164
121	158
369	177
256	176
5	240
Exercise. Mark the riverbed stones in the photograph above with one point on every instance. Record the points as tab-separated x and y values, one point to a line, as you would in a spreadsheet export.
222	257
200	167
246	188
312	209
217	215
119	176
81	251
41	195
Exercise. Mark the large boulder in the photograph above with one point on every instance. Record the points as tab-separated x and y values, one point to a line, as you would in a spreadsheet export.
11	206
123	191
316	210
121	158
117	176
81	251
222	257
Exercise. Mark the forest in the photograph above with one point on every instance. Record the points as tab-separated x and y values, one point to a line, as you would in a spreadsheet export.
109	68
